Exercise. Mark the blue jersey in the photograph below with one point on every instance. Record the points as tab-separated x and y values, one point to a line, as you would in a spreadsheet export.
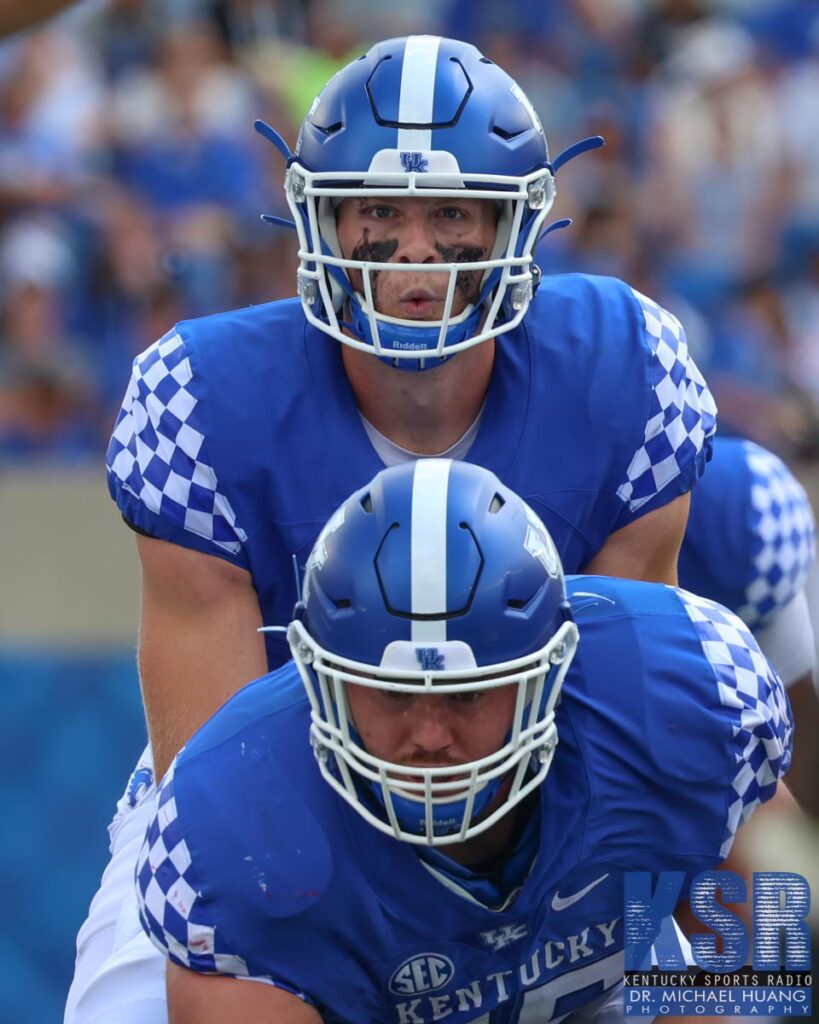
751	538
239	434
672	728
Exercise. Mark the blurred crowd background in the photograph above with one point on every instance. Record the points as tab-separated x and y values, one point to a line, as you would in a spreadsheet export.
131	181
131	184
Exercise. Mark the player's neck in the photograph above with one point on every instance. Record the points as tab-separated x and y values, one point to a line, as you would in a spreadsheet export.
425	412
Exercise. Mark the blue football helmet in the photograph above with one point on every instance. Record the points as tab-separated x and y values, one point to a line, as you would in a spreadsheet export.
419	116
434	578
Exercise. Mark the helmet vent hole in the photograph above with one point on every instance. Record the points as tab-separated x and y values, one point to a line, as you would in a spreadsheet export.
486	60
367	503
342	603
515	603
504	134
496	504
331	129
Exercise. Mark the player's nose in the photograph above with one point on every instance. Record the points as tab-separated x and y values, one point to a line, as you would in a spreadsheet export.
431	728
417	242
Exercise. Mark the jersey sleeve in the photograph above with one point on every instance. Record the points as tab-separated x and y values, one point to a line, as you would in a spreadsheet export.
783	536
160	473
175	909
754	701
680	424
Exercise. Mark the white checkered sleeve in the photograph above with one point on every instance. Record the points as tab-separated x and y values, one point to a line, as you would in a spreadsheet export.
158	460
682	415
756	704
170	905
784	536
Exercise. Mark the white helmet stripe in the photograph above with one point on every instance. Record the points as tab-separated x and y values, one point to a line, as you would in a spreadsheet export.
417	92
428	547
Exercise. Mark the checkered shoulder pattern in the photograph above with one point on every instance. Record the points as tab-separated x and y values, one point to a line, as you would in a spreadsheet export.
682	412
756	702
784	536
158	451
171	907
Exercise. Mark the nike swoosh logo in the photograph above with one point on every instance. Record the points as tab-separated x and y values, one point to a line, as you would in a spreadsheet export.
562	902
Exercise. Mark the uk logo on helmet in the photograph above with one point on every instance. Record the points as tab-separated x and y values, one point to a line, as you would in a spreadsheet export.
414	162
430	659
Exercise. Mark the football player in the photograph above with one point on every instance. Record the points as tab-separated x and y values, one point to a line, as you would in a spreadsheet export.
419	186
749	544
432	850
14	17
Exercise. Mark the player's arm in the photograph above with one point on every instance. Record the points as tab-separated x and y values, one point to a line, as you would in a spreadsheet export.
15	15
197	643
803	777
207	999
647	548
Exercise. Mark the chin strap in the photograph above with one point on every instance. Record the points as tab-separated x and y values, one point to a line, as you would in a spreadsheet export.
558	225
447	816
269	132
583	146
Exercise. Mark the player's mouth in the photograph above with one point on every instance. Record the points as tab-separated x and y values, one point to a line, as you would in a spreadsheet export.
418	303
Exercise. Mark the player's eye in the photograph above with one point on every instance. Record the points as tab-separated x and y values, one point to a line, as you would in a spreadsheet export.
451	213
397	696
380	212
468	697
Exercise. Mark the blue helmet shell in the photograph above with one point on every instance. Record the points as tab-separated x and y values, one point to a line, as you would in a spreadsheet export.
501	584
479	114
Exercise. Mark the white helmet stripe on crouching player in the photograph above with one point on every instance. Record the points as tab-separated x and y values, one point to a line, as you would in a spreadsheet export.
428	539
415	101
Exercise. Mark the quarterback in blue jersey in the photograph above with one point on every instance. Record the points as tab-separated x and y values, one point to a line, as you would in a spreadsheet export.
439	826
419	187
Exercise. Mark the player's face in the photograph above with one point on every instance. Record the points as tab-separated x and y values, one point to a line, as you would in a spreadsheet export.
417	230
427	731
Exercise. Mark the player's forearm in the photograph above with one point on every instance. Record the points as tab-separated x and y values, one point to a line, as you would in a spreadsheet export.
803	777
204	999
198	641
16	14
